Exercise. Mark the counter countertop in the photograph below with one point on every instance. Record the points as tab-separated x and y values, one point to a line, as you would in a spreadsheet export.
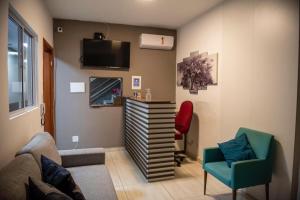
154	101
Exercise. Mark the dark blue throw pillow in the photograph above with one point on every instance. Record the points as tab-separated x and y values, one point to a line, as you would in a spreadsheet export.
56	175
237	149
38	190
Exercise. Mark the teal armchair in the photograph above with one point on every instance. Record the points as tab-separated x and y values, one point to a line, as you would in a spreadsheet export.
245	173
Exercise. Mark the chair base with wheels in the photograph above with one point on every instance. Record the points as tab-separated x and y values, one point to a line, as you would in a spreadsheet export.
180	154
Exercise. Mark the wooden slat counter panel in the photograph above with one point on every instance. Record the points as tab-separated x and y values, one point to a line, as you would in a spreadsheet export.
149	137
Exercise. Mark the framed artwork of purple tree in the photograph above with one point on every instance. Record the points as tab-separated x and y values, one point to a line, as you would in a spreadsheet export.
197	71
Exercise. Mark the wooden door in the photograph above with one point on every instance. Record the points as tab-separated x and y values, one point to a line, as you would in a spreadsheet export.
48	88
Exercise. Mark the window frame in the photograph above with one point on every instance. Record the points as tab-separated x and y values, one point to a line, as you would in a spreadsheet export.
25	28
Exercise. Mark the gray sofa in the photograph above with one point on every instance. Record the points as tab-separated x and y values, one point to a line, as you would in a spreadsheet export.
86	166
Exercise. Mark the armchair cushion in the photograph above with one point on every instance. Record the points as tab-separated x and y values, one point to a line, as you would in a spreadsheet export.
220	170
237	149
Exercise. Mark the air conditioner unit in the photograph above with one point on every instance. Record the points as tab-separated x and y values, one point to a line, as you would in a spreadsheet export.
150	41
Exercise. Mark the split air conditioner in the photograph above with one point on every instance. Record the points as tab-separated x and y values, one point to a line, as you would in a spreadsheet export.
151	41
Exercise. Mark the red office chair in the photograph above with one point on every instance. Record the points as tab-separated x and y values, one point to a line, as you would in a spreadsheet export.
182	125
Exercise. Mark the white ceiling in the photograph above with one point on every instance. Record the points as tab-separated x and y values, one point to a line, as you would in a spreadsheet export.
156	13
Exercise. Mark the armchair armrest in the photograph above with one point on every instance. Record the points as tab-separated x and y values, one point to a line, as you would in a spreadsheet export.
250	172
82	157
212	154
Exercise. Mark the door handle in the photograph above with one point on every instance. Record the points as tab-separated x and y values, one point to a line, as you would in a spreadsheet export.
42	113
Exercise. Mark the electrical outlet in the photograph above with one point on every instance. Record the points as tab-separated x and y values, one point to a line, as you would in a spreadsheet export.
75	139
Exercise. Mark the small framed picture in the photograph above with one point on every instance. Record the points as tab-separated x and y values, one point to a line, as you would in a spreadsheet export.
136	82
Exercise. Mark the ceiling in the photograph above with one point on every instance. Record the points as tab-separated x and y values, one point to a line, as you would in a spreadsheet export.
156	13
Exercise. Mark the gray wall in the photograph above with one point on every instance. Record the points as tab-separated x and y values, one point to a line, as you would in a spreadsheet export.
102	127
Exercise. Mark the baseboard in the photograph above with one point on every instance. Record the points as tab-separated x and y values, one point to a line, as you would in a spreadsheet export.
122	148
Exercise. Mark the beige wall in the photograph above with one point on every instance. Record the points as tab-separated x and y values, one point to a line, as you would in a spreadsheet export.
257	42
103	127
16	132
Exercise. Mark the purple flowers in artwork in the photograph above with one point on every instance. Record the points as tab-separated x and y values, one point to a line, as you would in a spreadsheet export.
116	91
195	72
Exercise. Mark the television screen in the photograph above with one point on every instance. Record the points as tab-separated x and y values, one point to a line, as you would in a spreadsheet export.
106	53
105	91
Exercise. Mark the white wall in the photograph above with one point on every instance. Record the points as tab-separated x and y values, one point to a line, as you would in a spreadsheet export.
16	132
257	42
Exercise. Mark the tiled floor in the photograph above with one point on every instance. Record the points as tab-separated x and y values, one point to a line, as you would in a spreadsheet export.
188	184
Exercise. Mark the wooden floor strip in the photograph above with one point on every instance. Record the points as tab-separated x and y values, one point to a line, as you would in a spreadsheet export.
130	183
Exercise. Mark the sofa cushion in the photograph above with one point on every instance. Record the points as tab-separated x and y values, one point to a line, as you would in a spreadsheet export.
220	170
41	143
14	176
38	190
94	181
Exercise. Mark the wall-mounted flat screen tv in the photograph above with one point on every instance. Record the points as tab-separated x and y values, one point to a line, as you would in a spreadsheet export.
106	54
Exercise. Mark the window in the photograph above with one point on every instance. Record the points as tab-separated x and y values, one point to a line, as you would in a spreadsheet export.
21	68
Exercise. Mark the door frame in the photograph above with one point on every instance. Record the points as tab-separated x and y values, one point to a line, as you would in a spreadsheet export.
49	49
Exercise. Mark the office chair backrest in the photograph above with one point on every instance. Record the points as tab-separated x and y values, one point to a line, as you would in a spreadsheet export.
260	142
184	117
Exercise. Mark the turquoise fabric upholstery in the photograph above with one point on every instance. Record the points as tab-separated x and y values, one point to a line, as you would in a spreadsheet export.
259	141
250	173
213	154
243	173
220	170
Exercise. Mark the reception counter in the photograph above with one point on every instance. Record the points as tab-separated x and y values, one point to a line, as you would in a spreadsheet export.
149	137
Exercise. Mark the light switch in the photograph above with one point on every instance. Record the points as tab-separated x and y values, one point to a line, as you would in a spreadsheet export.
77	87
75	138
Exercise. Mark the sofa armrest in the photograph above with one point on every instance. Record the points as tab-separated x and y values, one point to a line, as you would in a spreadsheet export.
212	154
82	157
250	172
